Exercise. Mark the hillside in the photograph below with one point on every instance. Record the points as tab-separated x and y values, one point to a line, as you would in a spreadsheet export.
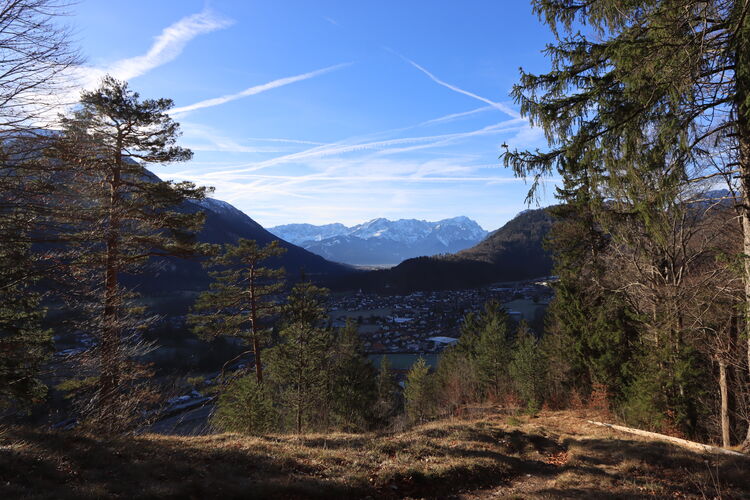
513	252
382	242
491	455
226	224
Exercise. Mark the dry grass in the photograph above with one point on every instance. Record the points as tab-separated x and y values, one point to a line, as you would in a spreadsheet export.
555	455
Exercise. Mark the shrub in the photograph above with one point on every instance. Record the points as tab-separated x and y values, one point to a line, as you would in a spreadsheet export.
418	392
245	406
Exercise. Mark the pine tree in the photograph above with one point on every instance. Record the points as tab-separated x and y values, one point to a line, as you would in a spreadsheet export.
24	343
418	394
245	406
656	92
37	50
120	218
493	351
299	364
387	402
528	369
242	298
353	381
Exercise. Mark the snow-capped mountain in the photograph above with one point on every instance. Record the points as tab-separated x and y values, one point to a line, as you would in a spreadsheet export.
301	233
382	242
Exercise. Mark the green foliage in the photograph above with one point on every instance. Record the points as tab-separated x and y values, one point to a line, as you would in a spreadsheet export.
645	109
245	406
418	392
299	365
117	217
73	387
493	351
387	403
668	391
243	296
354	390
25	345
455	380
476	368
528	369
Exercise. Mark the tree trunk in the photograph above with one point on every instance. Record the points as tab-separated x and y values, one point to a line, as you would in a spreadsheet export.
742	110
258	364
744	160
299	408
253	326
724	390
110	366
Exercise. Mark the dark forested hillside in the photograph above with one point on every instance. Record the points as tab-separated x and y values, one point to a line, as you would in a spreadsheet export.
226	224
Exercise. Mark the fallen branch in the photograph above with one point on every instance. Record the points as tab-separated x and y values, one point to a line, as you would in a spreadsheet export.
704	448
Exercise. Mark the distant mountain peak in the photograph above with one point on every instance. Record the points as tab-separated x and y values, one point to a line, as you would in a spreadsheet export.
381	241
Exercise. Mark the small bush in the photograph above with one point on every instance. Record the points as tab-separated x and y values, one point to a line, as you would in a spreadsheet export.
418	393
245	406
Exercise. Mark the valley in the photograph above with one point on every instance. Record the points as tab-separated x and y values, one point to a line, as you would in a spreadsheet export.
457	250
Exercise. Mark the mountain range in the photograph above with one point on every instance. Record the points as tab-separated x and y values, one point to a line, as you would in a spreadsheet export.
513	252
382	242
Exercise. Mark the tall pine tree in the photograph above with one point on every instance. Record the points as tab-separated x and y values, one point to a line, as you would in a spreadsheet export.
656	90
120	217
243	296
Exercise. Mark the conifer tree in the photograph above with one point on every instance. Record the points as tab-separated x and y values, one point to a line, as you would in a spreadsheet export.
353	381
418	393
245	406
37	50
476	367
299	364
653	91
595	324
120	217
387	402
493	350
243	296
528	368
24	343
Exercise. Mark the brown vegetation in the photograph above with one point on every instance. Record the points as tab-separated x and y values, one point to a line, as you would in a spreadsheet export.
555	455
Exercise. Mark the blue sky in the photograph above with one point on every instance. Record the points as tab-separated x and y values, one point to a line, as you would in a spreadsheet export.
302	111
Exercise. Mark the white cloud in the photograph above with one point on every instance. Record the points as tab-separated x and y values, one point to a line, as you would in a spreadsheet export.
497	105
254	90
455	116
388	146
200	137
369	187
166	47
292	141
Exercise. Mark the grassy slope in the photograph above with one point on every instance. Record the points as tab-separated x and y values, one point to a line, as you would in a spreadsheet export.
556	455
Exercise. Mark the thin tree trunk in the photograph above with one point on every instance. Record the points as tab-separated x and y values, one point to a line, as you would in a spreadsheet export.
744	147
253	326
742	75
299	407
110	367
724	390
258	364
